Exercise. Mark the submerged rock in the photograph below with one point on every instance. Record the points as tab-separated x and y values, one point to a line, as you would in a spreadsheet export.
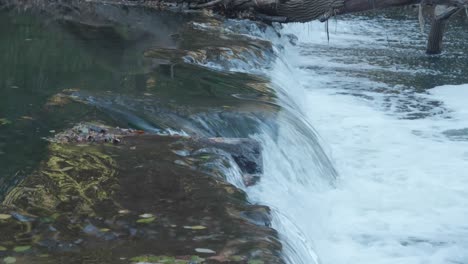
93	201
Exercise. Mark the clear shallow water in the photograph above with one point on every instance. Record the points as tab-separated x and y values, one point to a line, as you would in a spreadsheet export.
401	192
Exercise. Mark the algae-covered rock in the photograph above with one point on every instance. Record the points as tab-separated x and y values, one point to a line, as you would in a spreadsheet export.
95	201
73	178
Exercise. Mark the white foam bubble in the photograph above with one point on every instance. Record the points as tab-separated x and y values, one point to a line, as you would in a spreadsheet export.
455	97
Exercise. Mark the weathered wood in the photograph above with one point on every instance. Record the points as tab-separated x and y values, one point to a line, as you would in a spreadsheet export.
265	10
353	6
308	10
438	25
282	11
434	43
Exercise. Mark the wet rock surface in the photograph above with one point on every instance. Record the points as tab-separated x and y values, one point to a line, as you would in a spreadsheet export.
127	202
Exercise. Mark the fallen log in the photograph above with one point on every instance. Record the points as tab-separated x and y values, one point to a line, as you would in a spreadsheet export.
282	11
266	10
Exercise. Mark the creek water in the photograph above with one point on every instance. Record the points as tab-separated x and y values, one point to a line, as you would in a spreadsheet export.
365	161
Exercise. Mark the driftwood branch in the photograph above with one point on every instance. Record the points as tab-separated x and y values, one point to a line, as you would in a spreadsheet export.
353	6
438	25
207	5
282	11
266	10
308	10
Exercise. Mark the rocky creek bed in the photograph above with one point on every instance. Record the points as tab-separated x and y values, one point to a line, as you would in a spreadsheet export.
157	192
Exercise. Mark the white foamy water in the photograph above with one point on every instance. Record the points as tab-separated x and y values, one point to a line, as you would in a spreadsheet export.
455	98
401	194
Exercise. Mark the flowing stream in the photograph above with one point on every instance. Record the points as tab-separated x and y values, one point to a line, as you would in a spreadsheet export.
397	148
366	160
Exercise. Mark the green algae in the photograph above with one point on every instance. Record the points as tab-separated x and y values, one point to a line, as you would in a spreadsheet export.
4	216
146	220
73	176
9	260
4	121
196	259
167	259
20	249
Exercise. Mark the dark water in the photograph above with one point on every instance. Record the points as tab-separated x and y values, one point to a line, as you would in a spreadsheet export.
113	66
38	59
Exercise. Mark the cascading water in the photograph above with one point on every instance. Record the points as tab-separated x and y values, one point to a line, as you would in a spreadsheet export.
400	196
381	181
359	166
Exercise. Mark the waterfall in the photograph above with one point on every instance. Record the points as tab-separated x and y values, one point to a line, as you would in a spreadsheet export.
374	184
